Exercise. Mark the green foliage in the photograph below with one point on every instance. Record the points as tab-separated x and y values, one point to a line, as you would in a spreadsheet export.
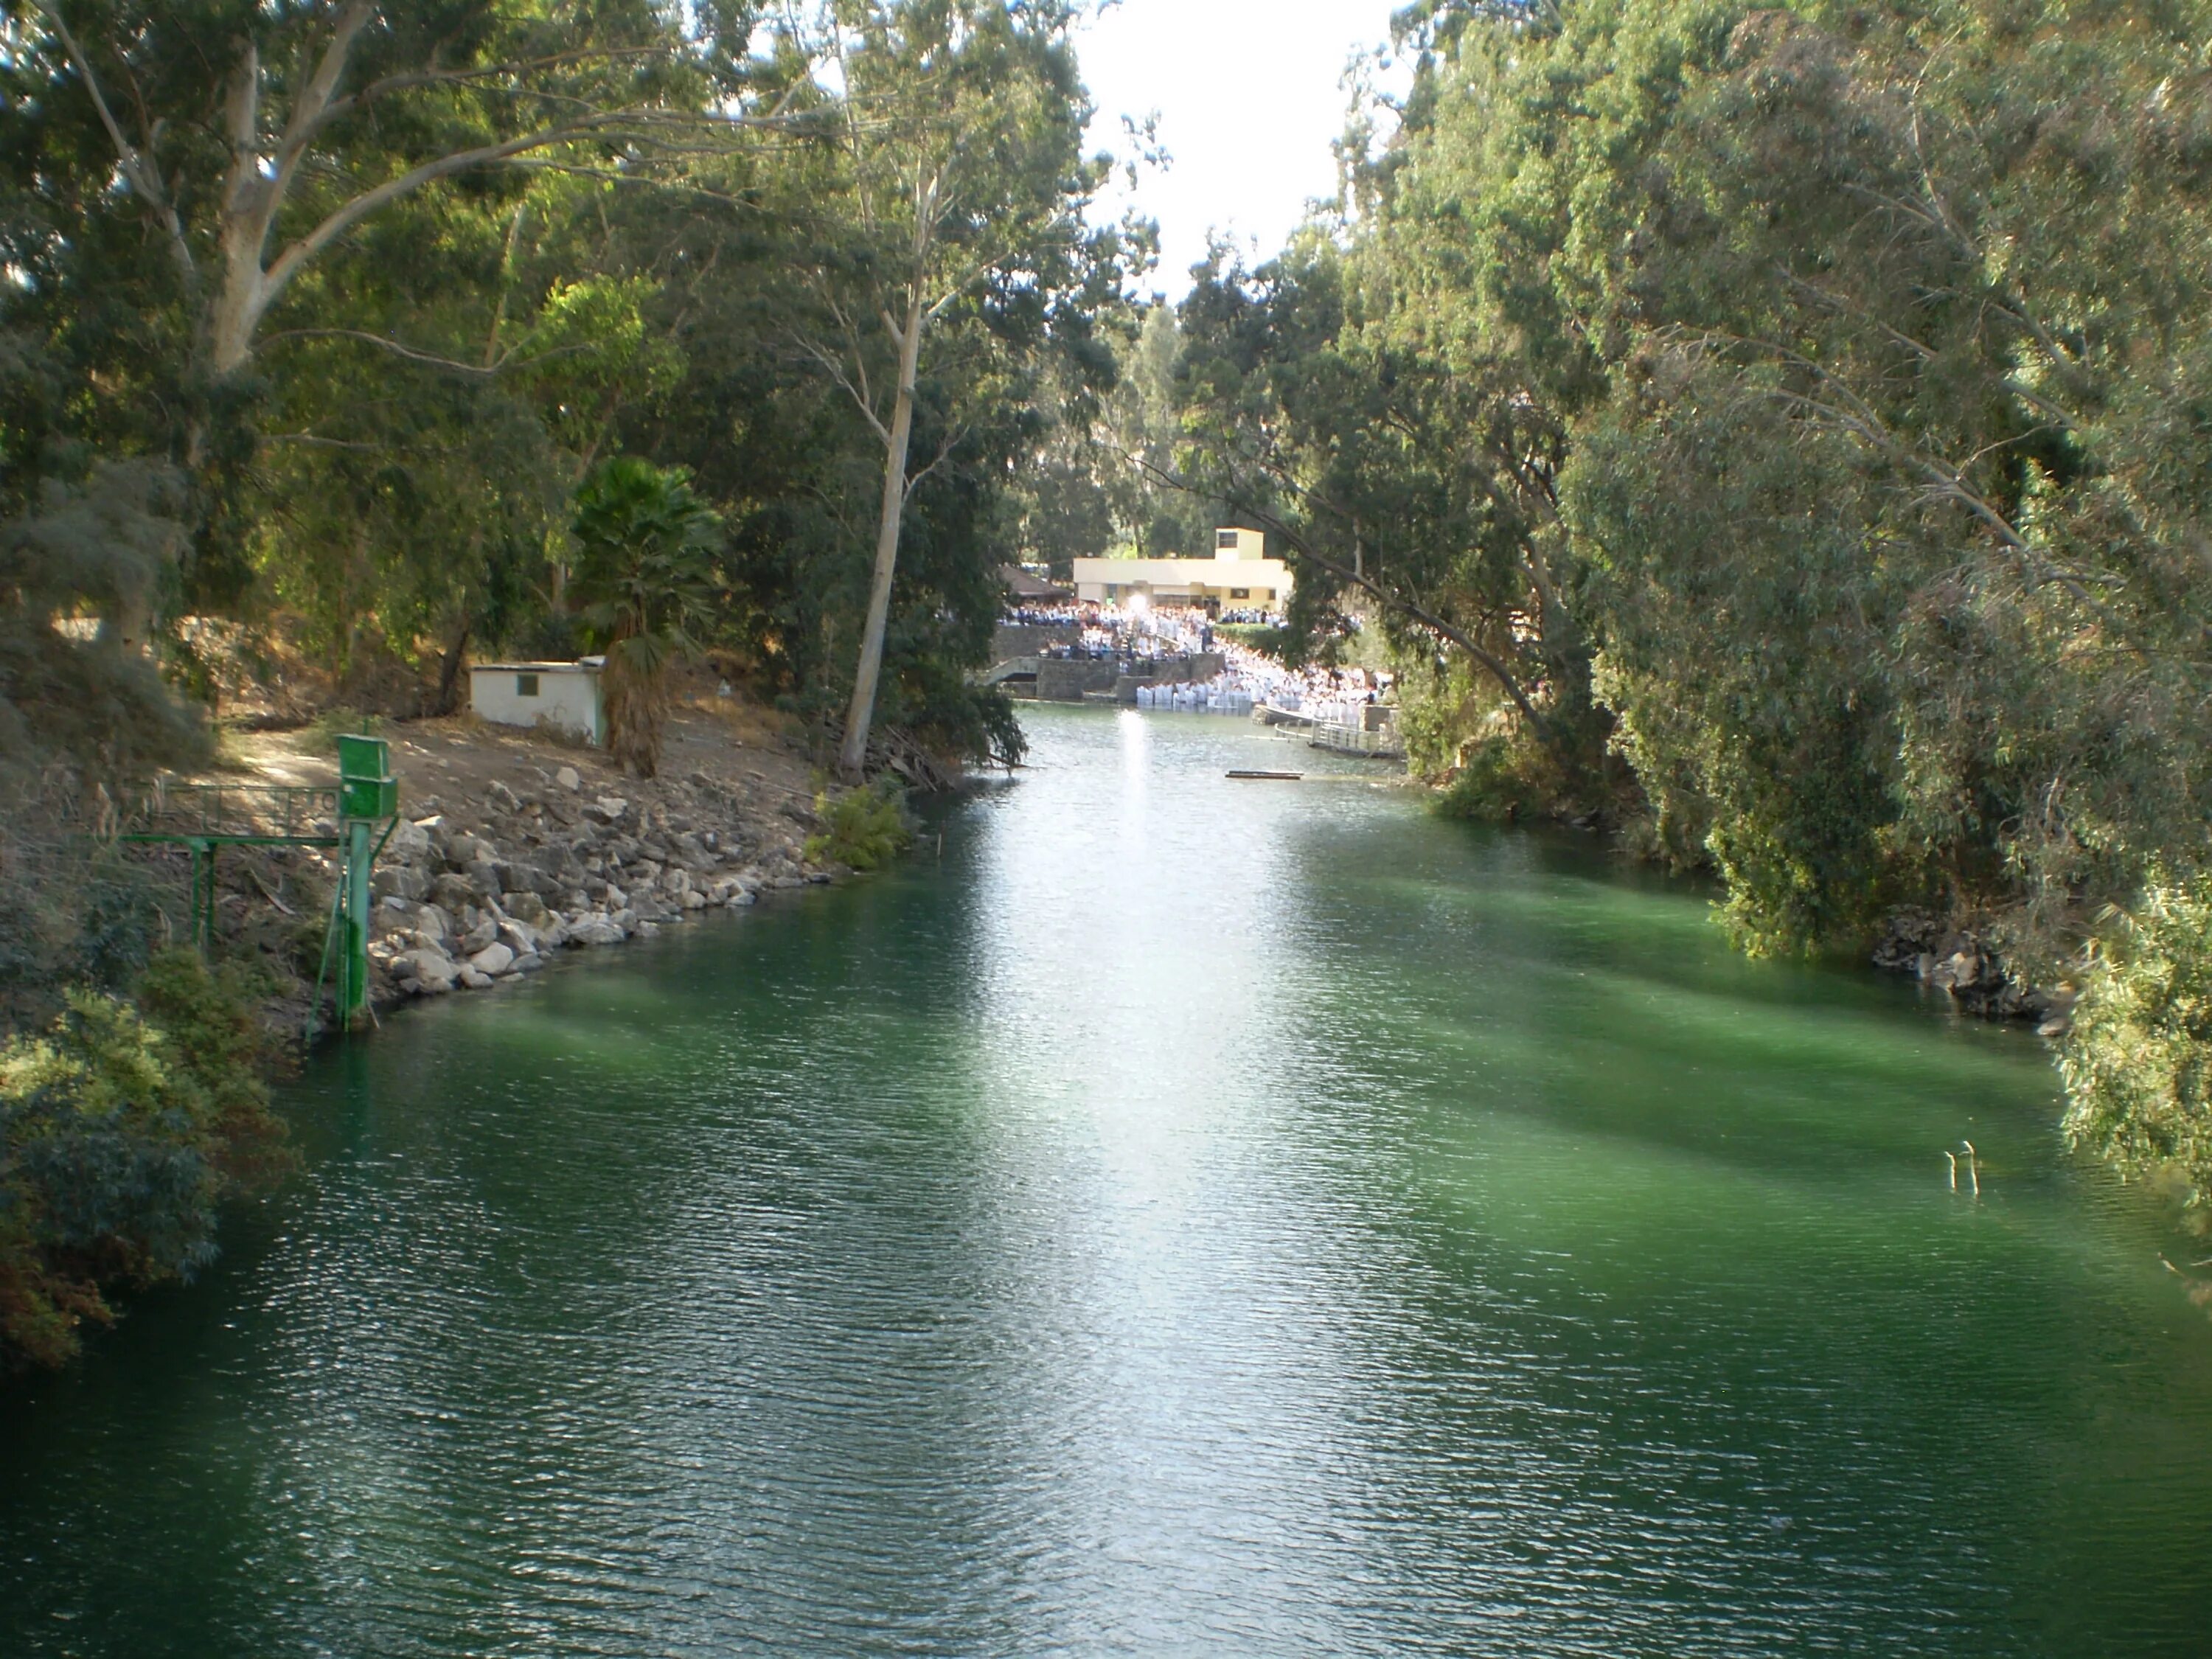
377	443
121	1127
340	720
74	910
83	566
221	1051
1805	403
644	582
2137	1060
1257	637
1499	781
865	827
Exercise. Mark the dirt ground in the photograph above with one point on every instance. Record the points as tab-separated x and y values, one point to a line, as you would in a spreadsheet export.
442	763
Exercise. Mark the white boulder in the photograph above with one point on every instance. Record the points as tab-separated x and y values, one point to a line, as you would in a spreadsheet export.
430	967
492	959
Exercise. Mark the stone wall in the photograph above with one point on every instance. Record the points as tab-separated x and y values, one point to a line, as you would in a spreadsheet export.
1199	667
1011	640
1065	679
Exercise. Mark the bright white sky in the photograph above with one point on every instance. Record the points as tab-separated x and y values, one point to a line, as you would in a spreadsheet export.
1249	97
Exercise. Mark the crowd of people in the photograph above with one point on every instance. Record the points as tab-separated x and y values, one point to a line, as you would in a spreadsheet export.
1142	632
1045	616
1108	633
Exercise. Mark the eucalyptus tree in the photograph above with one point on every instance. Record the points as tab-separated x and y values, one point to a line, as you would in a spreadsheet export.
1907	321
410	504
1874	346
963	174
252	139
183	174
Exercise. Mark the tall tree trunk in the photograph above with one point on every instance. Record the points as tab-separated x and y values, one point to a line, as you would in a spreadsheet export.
853	753
448	698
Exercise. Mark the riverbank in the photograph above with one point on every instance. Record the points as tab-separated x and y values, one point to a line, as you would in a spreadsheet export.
511	847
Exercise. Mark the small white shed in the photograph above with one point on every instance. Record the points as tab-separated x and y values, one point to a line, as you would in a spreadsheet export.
563	696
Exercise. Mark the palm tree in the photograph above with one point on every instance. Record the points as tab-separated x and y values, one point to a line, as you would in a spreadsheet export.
643	581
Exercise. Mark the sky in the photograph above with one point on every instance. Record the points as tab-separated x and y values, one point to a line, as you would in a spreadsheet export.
1248	95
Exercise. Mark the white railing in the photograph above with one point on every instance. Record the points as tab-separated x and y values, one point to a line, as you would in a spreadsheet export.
1349	739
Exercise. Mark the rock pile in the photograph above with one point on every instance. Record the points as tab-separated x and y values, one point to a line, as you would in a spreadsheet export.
468	895
1965	966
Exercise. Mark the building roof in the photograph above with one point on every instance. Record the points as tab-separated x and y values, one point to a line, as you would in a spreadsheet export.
1026	586
581	666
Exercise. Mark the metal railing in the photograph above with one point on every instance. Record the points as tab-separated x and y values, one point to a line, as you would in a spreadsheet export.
242	814
1348	739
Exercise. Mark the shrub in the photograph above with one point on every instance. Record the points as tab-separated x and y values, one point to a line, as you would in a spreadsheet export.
1500	778
1269	642
342	719
2137	1060
864	828
121	1127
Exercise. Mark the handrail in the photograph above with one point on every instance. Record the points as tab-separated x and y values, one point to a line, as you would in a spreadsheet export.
235	812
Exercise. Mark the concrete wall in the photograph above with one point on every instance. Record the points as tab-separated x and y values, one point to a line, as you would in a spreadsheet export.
1012	639
1065	679
1199	665
568	696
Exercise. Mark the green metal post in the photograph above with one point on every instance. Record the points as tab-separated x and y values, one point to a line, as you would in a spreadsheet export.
353	982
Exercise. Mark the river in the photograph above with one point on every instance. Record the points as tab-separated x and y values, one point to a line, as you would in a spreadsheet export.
1171	1215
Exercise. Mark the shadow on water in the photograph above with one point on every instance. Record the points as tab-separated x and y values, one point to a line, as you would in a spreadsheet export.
1178	1216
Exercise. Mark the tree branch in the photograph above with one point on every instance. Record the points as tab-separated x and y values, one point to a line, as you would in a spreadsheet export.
484	371
836	368
352	213
311	112
951	441
144	182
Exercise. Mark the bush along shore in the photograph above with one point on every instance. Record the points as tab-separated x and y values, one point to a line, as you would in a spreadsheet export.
134	1097
472	891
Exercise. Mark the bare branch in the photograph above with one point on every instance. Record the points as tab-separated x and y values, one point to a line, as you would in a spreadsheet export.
484	371
836	368
353	212
952	442
336	109
144	182
318	441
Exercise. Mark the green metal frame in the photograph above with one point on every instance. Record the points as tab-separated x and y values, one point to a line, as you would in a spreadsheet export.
215	816
206	817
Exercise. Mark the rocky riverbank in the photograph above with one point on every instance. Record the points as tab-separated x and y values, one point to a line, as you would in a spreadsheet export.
1967	967
472	890
511	847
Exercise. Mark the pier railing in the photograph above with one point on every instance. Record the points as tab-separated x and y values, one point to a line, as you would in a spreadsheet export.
1349	739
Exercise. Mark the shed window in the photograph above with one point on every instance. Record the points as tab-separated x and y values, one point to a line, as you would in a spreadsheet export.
526	685
1224	538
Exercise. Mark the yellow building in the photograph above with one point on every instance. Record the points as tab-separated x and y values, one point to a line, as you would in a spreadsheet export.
1238	577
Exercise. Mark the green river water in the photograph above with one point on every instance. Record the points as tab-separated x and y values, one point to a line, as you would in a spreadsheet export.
1182	1216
